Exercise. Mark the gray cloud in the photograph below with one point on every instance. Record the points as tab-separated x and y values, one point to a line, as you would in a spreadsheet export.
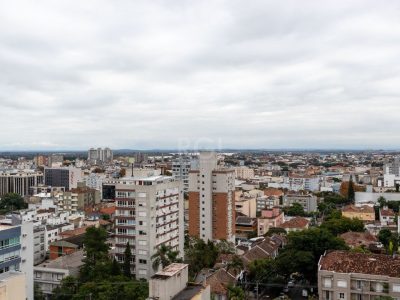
161	74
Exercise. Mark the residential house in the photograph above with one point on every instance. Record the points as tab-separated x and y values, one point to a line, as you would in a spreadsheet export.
344	275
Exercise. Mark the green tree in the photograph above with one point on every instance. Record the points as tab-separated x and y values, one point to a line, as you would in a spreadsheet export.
339	224
315	241
12	201
235	265
66	289
96	262
294	210
37	292
164	256
115	268
275	230
199	255
127	260
235	293
350	192
262	270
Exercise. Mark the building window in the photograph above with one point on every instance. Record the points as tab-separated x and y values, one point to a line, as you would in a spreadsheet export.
342	283
341	295
142	261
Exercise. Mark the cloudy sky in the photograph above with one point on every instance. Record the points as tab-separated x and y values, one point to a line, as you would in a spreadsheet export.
173	74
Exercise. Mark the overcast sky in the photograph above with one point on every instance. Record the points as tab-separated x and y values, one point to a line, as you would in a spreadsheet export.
172	74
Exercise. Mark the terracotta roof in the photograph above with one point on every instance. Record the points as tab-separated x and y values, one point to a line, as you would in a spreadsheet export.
74	232
263	249
108	210
387	212
219	281
355	239
272	192
297	222
352	262
361	209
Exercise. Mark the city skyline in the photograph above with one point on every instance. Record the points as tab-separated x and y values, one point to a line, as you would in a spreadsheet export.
168	74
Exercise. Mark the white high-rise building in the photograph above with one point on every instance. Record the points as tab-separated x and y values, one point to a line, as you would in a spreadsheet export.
100	156
181	168
149	213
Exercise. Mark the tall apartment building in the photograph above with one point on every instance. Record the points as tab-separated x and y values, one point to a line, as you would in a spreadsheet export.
19	182
149	213
66	177
100	156
244	172
211	200
181	168
346	275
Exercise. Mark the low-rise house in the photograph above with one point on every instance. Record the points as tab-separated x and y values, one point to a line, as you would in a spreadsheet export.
219	282
386	215
266	248
48	275
172	284
245	226
358	239
344	275
61	248
272	217
364	213
295	224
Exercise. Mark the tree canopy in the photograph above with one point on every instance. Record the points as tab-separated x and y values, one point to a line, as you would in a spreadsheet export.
12	201
100	276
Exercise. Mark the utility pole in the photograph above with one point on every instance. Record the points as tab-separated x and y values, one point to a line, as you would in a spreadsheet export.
257	289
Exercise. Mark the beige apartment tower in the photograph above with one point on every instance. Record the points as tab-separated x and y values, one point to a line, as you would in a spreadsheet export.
211	200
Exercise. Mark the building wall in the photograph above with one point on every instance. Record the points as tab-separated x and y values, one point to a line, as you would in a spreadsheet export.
10	286
194	214
344	286
153	216
358	215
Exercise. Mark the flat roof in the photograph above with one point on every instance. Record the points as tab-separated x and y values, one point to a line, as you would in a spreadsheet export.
170	270
73	260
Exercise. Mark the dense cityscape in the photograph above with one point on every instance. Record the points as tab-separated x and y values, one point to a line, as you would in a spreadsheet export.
200	225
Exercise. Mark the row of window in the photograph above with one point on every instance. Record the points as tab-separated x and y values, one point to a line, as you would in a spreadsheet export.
9	242
9	256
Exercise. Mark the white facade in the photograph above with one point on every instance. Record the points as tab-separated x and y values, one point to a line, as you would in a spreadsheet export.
244	173
181	168
149	213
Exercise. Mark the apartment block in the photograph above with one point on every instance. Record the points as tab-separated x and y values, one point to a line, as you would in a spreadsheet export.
19	182
346	275
307	201
244	173
149	213
67	177
211	200
181	168
100	156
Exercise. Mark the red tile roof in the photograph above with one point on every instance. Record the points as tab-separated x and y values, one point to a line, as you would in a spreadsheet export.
297	222
355	239
352	262
361	209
